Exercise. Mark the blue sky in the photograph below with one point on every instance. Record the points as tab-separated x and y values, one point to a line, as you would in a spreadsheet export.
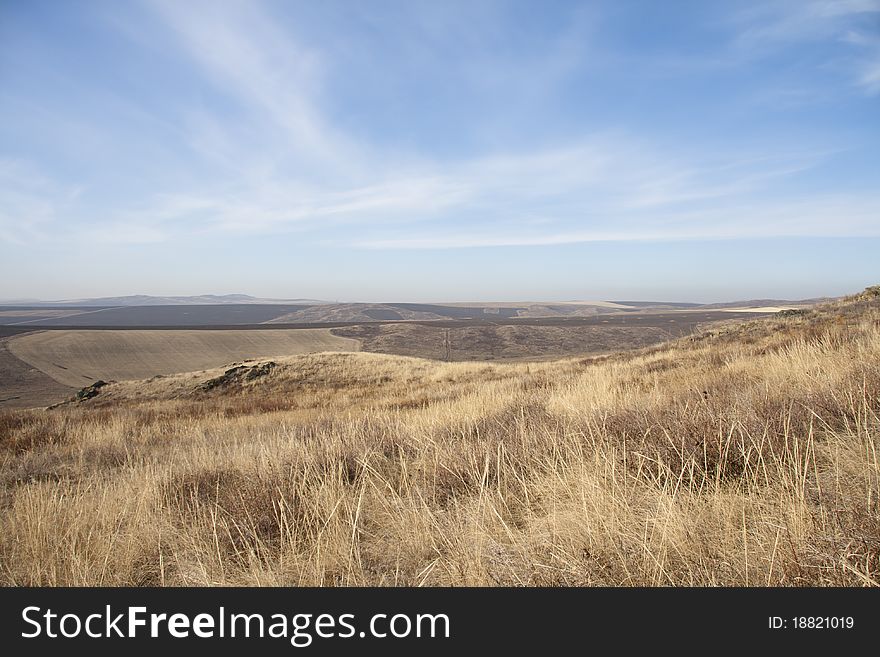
433	151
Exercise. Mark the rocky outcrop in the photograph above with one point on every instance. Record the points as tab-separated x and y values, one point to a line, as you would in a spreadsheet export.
238	375
90	391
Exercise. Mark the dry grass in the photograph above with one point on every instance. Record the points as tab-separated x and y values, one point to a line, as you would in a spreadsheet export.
748	456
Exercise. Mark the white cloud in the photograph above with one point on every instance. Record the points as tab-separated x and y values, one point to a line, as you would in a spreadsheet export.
283	166
247	56
606	188
822	217
869	61
783	23
870	79
29	201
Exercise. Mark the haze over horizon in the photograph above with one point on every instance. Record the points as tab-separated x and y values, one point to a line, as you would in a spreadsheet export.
417	151
239	298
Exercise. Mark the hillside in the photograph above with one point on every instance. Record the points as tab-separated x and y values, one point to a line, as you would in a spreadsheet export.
743	455
77	358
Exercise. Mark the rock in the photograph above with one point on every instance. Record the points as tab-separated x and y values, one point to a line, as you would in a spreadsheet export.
90	391
238	375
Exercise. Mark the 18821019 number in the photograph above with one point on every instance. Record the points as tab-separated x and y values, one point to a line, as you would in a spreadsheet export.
811	623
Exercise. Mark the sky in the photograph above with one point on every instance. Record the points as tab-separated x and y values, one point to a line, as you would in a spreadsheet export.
440	151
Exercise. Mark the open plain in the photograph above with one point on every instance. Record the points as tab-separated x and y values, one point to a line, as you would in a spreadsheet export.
743	454
53	352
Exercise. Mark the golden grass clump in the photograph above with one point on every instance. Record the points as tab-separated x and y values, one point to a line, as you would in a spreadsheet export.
747	455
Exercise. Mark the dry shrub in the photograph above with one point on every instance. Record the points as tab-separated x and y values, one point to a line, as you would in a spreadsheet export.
24	433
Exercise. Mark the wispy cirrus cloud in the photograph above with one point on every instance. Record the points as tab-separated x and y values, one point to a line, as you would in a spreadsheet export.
869	64
270	144
30	202
609	188
290	169
777	22
743	221
772	26
266	156
275	79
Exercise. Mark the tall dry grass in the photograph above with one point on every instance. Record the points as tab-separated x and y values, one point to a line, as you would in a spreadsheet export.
746	456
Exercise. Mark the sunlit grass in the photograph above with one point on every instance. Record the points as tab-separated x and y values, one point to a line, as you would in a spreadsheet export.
744	457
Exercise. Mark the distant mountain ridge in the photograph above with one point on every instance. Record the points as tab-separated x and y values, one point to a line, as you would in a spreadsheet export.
240	299
767	302
149	300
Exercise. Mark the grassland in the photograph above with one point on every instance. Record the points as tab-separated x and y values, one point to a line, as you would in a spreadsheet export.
742	456
79	357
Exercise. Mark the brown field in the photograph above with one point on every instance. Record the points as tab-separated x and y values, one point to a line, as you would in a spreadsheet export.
79	357
31	313
747	455
460	342
23	386
533	338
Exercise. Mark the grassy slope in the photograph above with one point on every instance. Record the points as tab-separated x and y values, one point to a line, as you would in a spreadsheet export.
746	456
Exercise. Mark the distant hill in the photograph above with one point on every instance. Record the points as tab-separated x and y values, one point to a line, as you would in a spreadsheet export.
148	300
757	303
672	305
239	309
